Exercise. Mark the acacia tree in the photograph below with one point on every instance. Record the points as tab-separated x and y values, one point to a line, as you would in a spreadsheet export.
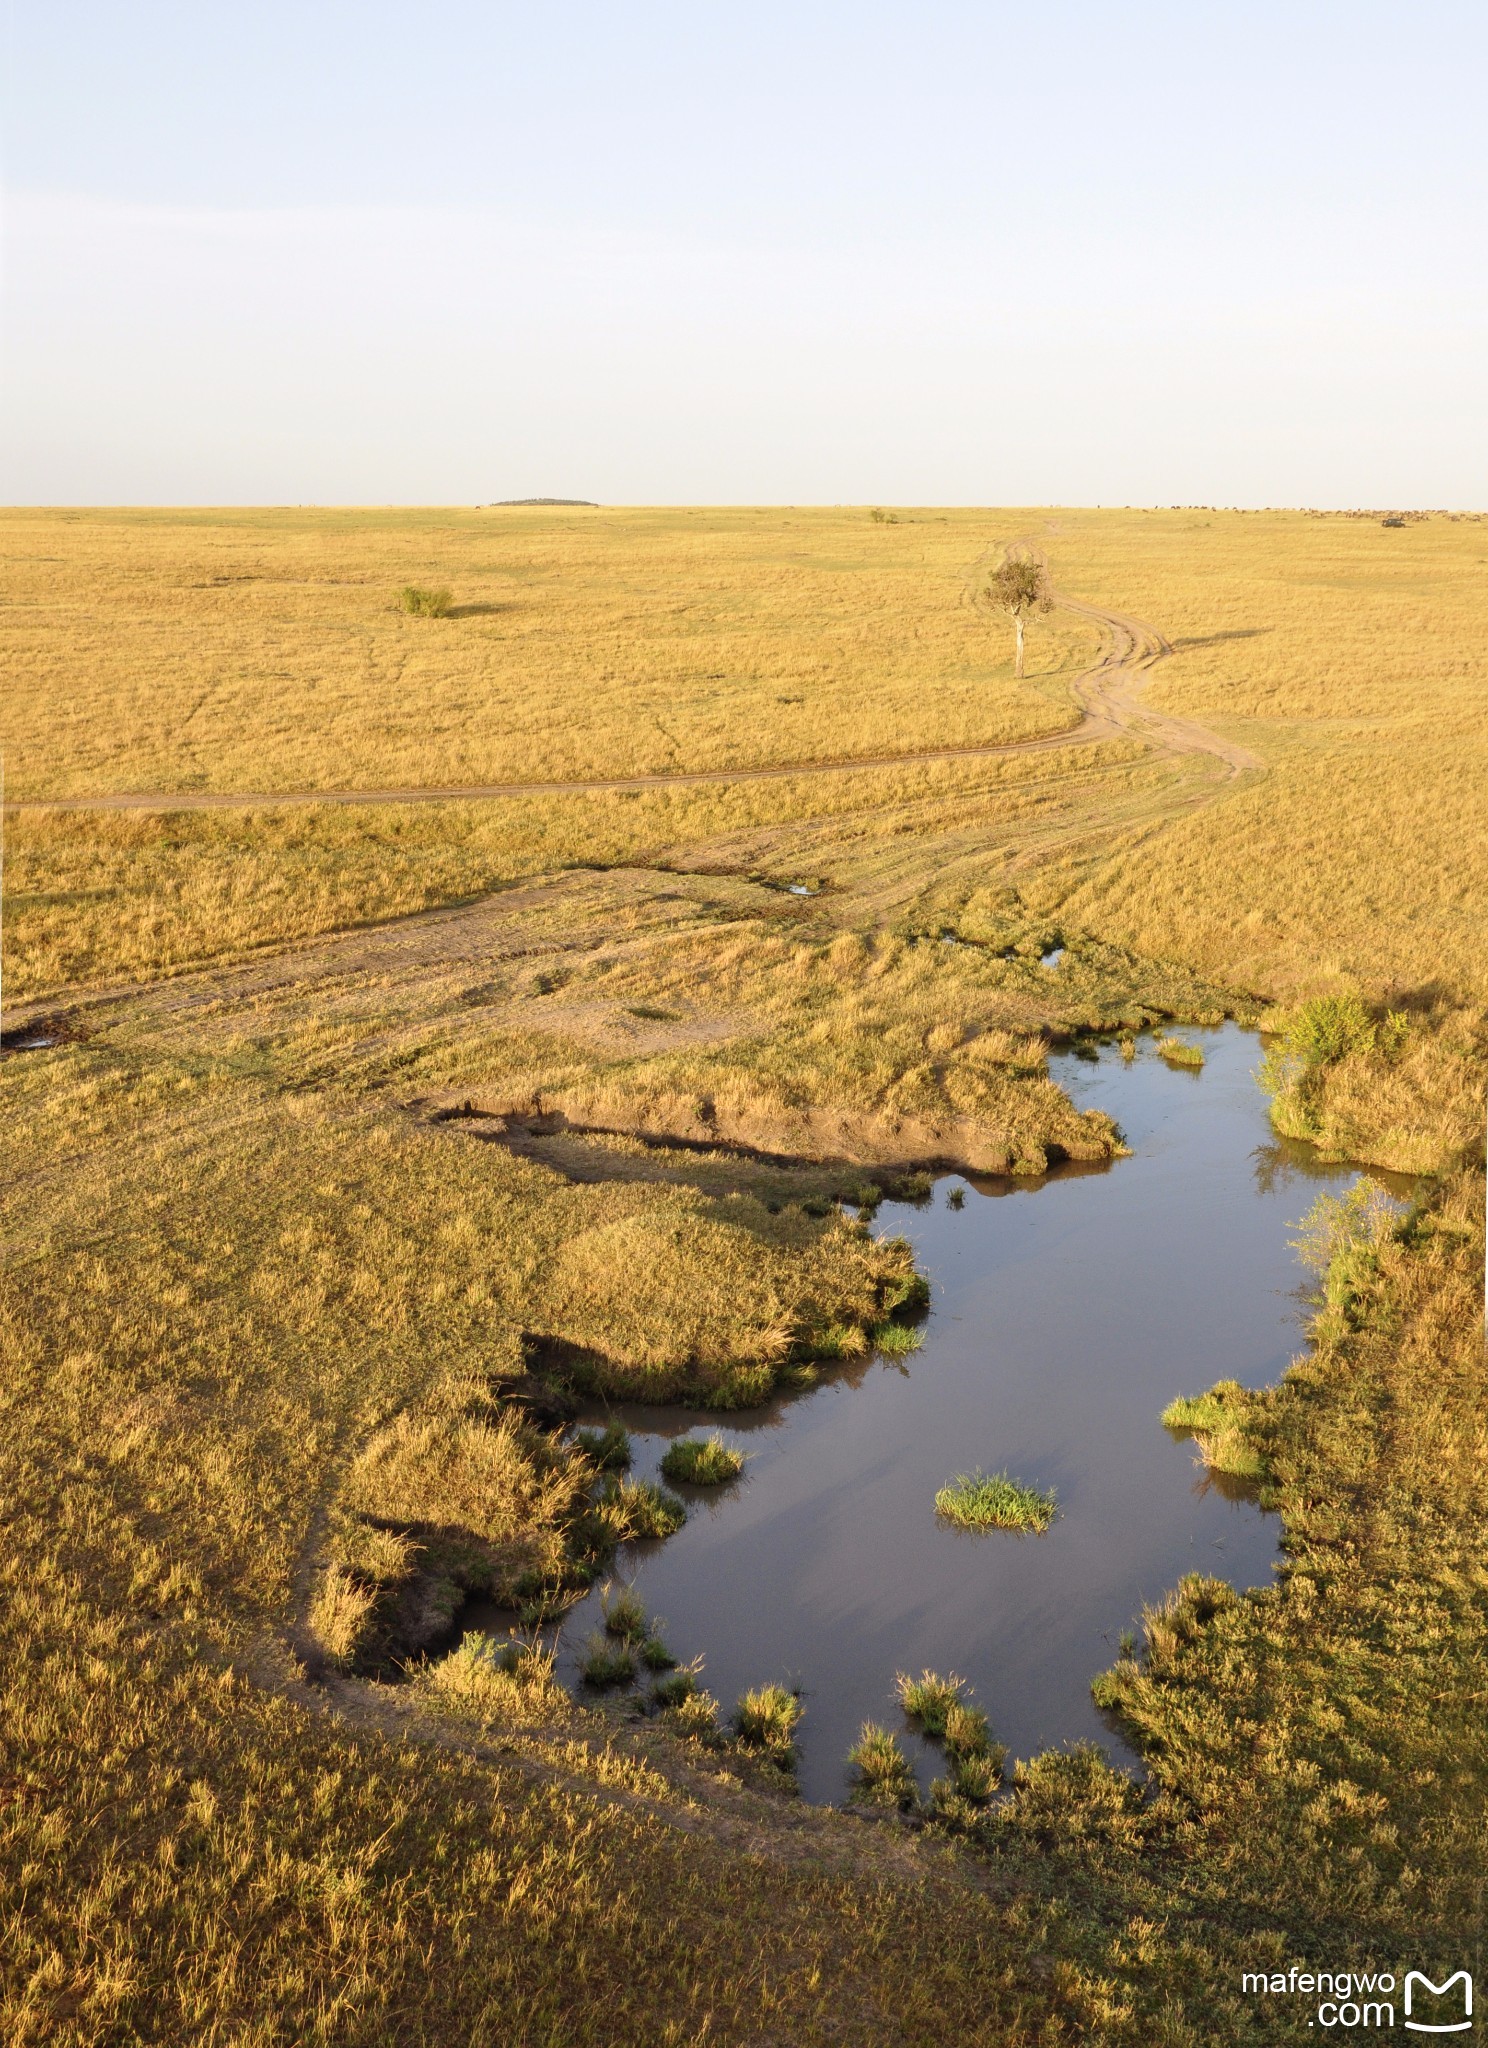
1019	586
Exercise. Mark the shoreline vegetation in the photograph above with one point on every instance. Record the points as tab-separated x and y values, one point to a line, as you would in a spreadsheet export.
366	1142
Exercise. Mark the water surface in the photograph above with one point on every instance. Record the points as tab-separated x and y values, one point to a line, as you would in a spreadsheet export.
1065	1315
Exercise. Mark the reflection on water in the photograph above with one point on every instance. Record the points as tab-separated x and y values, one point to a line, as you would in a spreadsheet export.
1061	1325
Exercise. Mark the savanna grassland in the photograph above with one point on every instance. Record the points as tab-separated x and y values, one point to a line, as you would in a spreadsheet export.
369	1129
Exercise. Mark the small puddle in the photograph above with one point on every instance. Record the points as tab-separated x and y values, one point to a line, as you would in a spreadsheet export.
1066	1314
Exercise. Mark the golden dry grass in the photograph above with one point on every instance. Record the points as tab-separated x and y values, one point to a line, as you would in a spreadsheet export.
260	1306
267	650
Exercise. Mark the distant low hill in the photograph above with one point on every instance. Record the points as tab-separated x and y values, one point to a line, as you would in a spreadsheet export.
497	502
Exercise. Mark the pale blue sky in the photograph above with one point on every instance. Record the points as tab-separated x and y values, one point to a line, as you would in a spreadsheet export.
1065	252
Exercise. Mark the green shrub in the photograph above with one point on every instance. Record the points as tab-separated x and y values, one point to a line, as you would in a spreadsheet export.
701	1461
978	1500
424	604
1312	1038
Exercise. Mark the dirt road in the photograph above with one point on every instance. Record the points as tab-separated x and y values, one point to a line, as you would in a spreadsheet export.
1107	693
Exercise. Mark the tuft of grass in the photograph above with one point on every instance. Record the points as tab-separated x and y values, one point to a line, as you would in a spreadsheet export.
624	1615
701	1461
977	1777
896	1340
1221	1423
494	1681
606	1662
979	1500
654	1653
882	1767
607	1448
677	1687
642	1508
929	1699
966	1732
766	1718
420	603
1179	1053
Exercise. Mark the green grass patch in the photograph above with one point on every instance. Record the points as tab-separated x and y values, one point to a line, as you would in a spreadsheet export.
767	1718
979	1500
896	1340
676	1687
1179	1053
606	1662
625	1615
642	1508
880	1765
701	1461
1221	1423
929	1699
608	1448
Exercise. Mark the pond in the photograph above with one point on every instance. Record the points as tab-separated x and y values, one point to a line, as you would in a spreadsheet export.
1066	1313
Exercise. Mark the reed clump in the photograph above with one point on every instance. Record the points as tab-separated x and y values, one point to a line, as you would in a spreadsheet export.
880	1767
766	1718
980	1500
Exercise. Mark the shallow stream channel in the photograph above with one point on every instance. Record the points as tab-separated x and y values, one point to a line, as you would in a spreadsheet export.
1065	1314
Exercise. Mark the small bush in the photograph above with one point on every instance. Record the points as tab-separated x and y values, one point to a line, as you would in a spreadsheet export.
929	1699
607	1448
881	1765
641	1508
424	604
766	1719
701	1461
606	1662
624	1615
977	1500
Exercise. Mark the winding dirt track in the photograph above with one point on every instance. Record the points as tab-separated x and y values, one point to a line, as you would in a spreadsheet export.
1107	694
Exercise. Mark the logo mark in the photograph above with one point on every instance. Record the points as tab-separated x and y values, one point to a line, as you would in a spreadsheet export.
1419	1977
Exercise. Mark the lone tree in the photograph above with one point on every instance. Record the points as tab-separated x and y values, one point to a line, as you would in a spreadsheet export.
1019	586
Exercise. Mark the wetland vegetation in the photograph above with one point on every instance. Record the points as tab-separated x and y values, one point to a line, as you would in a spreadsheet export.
351	1146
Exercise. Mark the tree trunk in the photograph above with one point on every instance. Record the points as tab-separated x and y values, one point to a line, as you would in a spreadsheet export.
1018	622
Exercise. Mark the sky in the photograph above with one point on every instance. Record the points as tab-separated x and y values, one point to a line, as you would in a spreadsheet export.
1074	252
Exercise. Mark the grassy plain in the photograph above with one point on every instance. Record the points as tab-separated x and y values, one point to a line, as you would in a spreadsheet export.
296	1224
